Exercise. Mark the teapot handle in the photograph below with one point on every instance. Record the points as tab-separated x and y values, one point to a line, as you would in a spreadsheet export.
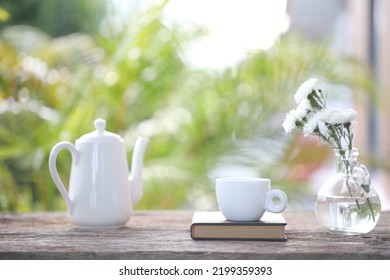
54	173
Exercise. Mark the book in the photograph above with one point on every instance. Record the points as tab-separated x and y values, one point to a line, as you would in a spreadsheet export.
212	225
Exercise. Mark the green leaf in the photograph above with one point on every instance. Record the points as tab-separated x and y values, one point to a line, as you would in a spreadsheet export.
366	187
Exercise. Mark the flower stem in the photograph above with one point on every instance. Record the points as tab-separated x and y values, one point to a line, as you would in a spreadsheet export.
371	209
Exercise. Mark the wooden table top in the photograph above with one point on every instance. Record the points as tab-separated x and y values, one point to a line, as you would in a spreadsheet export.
166	235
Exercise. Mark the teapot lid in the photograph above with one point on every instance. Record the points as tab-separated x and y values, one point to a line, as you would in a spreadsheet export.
100	134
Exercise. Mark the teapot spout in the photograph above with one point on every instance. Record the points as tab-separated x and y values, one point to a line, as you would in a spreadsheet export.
135	178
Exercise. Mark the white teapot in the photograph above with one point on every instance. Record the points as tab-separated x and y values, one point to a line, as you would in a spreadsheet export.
101	192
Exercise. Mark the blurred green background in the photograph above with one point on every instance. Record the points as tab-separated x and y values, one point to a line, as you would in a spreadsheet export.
61	70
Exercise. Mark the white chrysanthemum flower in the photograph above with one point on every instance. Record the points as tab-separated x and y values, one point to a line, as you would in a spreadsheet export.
312	124
332	125
331	116
303	107
325	114
338	116
290	121
305	89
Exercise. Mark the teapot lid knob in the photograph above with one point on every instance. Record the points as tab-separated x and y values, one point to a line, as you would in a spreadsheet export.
99	135
100	125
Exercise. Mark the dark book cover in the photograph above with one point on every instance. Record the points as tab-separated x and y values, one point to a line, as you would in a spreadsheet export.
212	225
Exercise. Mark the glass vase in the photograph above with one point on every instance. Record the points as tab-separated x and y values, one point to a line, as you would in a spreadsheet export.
347	203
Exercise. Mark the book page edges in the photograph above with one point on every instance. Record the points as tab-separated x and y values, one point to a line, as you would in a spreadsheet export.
238	232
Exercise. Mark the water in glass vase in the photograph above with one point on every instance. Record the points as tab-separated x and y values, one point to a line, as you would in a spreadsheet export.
348	215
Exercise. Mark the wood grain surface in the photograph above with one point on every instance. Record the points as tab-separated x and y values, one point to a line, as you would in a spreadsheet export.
166	235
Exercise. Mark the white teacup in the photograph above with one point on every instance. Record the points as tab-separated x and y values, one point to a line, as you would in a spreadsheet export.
246	199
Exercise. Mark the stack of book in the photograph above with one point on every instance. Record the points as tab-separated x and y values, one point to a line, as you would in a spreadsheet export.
212	225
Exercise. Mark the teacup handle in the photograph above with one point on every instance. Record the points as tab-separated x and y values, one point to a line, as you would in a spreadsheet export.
271	206
54	172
